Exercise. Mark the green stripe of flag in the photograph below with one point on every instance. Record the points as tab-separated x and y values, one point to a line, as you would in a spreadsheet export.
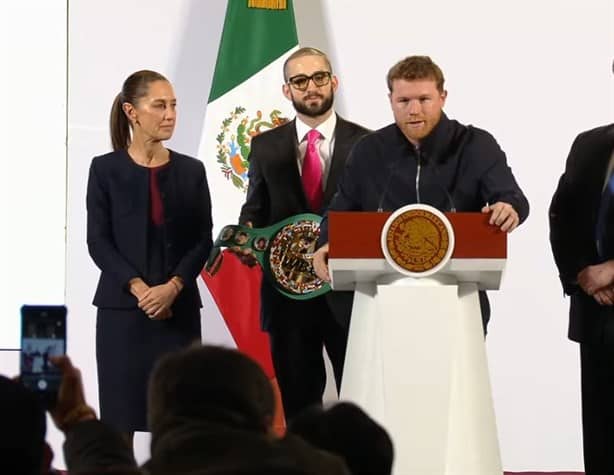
252	38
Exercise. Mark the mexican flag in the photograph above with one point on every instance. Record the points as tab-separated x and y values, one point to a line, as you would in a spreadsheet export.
246	99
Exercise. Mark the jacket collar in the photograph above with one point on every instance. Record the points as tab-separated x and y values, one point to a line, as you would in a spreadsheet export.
439	138
439	144
326	128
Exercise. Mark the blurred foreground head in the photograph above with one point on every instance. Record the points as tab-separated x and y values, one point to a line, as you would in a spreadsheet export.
346	430
210	384
23	426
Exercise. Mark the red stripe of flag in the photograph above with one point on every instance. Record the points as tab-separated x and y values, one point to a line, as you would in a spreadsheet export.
235	288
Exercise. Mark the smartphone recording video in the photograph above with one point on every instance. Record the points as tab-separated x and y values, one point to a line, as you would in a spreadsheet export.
43	335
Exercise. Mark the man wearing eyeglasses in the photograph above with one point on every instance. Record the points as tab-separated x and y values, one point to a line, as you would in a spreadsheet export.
294	169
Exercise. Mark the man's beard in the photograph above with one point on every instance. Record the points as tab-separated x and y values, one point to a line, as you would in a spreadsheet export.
317	110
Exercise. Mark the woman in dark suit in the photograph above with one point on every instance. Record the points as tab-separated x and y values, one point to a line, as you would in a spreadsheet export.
149	232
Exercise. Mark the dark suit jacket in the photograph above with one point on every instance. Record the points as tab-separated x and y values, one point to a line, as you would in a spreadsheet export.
573	218
276	192
118	217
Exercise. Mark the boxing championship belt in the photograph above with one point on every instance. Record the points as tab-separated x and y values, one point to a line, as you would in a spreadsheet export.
284	251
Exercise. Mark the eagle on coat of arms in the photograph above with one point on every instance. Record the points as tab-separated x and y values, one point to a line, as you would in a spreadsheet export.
233	142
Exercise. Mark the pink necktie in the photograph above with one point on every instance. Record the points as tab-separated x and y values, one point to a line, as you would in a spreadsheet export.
311	173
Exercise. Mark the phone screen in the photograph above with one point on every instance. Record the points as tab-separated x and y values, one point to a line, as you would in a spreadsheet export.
43	334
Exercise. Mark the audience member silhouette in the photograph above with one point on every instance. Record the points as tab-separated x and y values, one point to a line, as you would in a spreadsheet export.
22	438
210	412
346	430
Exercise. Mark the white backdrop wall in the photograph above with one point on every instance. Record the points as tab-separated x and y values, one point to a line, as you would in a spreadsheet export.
33	159
532	73
33	43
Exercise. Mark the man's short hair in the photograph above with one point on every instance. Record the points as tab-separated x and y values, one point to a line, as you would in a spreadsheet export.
306	51
415	68
210	383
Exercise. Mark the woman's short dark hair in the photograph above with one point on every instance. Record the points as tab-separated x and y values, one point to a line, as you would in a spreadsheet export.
135	87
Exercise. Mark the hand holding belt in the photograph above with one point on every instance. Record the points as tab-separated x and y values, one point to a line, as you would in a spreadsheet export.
284	251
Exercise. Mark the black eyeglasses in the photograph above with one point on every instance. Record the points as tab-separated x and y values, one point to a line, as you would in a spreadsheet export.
301	81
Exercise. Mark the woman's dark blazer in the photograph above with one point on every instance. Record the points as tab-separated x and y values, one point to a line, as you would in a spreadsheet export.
118	216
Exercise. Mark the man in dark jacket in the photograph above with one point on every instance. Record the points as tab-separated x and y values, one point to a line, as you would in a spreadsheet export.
582	239
424	157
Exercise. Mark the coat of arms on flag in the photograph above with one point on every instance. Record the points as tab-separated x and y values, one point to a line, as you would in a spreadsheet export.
233	141
245	99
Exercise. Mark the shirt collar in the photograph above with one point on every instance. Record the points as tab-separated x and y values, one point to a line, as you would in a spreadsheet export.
326	128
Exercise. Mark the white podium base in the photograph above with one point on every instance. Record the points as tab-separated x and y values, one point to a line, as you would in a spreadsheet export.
416	362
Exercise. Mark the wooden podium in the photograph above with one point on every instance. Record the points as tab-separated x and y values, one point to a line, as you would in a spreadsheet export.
416	359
